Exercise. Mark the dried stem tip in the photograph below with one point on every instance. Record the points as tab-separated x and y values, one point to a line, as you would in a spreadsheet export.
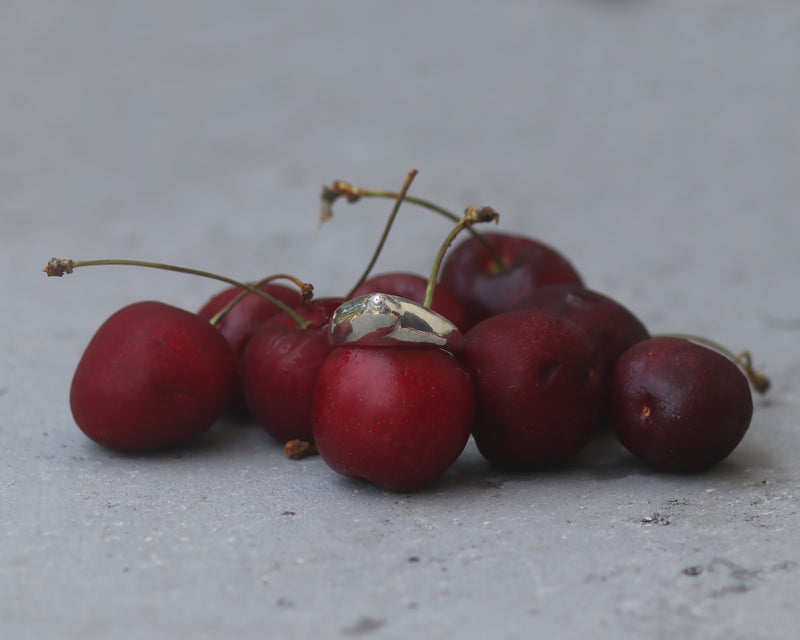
58	267
297	449
474	215
327	198
760	382
307	292
330	194
342	188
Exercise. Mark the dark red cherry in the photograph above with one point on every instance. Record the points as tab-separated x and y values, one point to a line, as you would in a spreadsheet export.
472	276
249	314
279	368
611	326
679	406
243	320
153	376
537	386
397	417
413	287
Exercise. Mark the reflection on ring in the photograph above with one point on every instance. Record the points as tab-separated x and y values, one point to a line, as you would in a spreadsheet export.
380	319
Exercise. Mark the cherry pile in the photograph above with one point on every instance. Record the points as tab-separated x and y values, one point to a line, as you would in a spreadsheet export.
546	364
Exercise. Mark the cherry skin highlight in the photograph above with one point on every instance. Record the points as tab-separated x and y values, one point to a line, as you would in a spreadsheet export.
611	326
279	368
679	406
537	386
152	377
471	275
397	417
413	287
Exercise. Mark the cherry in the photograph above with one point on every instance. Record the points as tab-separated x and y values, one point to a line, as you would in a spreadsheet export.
610	325
397	417
396	414
153	376
414	287
679	406
58	267
244	317
249	313
472	274
279	366
537	386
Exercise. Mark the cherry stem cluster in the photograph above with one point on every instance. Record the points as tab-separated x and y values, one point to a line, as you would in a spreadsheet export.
59	266
472	216
340	188
743	360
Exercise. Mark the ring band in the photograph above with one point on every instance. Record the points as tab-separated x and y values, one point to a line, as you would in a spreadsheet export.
380	319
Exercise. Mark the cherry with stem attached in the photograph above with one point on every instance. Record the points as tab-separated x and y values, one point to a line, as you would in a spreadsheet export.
238	315
281	361
682	403
231	298
279	367
153	376
473	276
397	416
760	382
405	284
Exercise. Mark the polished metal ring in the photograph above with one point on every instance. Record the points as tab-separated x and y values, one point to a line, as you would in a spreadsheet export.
380	319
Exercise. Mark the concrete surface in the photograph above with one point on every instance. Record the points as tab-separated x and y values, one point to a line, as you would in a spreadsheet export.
655	143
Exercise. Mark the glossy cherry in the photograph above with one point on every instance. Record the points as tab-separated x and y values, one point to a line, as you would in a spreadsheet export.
537	386
473	276
152	377
249	314
611	326
243	320
679	406
413	287
397	417
279	367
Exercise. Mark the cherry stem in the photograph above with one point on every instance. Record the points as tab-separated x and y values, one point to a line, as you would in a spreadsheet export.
398	201
352	194
472	216
59	266
743	360
306	293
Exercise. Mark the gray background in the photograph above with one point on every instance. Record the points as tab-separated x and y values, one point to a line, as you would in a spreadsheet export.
655	143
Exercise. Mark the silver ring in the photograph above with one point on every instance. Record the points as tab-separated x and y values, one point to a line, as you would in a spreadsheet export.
380	319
